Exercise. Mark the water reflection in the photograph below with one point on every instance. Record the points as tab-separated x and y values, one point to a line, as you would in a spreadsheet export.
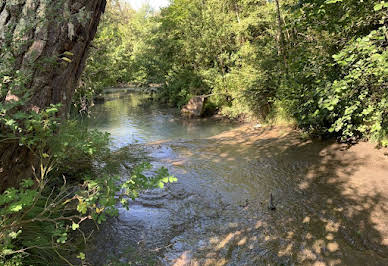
132	119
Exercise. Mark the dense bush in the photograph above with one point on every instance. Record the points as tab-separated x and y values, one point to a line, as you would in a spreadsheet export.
67	173
337	81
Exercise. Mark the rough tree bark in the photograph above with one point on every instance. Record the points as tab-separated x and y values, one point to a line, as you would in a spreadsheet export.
41	36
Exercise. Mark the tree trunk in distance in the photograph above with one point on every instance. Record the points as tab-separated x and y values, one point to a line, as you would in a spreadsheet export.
282	44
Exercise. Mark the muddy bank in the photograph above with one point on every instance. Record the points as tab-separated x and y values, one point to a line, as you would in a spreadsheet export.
331	204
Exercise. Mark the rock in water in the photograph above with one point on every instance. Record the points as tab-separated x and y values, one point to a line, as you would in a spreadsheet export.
194	108
271	206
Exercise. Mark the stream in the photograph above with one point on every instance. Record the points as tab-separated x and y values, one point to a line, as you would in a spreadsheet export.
329	211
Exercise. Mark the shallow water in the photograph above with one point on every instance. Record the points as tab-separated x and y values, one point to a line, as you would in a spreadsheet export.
327	210
131	119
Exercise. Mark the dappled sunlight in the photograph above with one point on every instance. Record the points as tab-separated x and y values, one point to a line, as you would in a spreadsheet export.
331	201
331	208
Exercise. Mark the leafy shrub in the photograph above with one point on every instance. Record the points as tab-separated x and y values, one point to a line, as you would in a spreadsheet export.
354	104
38	218
358	102
77	149
72	184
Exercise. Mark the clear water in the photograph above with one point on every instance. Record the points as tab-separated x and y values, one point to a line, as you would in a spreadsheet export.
132	119
217	213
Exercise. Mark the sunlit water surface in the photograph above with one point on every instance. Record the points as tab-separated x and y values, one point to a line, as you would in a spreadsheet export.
217	212
132	119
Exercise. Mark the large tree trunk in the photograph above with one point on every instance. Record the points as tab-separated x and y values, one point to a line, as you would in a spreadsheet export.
47	41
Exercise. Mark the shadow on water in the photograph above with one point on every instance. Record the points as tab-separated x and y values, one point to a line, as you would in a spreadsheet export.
329	208
331	200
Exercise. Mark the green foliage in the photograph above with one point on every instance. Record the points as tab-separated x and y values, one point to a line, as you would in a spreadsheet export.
71	180
358	100
86	147
323	63
140	180
120	53
109	55
338	81
28	127
38	219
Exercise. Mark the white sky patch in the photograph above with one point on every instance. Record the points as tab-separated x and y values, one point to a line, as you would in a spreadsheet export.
155	4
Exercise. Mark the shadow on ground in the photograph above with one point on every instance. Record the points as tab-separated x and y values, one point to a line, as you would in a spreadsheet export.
331	201
331	204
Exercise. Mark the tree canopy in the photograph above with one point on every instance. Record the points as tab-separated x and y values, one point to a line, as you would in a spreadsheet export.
320	63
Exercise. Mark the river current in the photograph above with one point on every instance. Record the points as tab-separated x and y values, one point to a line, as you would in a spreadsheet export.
327	210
